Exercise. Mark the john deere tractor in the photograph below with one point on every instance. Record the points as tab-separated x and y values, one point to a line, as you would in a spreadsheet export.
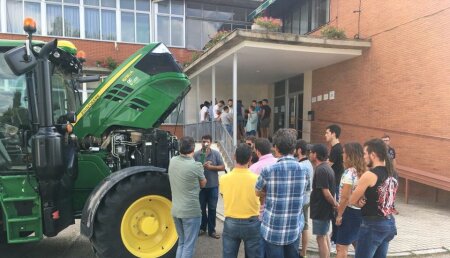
103	162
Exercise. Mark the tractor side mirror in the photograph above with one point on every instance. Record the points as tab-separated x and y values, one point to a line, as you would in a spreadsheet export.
18	60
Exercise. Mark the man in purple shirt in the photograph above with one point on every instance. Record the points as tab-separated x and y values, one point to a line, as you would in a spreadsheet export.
263	150
264	153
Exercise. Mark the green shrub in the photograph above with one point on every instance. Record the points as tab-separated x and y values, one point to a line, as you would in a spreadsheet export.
331	32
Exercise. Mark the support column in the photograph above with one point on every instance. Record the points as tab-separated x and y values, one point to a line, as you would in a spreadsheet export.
213	99
3	16
84	94
197	113
235	131
307	94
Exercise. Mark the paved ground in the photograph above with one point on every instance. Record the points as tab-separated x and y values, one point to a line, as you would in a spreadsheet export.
423	229
69	244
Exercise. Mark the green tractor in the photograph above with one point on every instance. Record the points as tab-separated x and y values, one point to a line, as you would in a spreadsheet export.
103	162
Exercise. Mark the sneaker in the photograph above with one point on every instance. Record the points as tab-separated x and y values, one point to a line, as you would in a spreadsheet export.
214	235
201	232
333	248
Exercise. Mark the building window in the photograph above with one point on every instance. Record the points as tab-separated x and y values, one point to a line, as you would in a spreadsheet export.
306	16
63	19
203	21
16	10
135	20
100	19
170	22
319	13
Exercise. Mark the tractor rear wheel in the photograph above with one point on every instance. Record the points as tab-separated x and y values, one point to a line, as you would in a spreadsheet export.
3	237
134	219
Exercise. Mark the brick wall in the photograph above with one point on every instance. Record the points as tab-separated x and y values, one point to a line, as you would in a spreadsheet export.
176	130
400	86
100	50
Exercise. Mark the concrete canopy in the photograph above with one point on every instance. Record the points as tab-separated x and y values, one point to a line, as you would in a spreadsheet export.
269	57
254	59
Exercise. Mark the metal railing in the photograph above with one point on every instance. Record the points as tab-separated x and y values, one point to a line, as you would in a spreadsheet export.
216	130
225	140
197	130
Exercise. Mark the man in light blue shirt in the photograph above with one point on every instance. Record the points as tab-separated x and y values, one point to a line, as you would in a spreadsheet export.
252	122
301	149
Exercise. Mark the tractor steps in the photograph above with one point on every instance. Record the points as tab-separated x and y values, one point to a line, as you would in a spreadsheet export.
21	206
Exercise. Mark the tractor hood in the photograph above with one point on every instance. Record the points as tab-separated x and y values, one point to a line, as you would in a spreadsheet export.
140	93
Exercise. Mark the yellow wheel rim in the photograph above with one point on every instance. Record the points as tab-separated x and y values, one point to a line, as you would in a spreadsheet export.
147	228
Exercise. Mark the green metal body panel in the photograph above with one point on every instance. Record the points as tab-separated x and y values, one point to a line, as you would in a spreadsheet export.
131	98
21	207
91	170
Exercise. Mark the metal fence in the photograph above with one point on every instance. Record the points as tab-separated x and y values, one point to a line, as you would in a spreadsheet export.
217	131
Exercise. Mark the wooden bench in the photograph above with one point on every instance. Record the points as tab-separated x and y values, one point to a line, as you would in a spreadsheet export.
423	177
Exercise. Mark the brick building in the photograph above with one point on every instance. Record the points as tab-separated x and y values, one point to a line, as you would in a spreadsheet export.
397	85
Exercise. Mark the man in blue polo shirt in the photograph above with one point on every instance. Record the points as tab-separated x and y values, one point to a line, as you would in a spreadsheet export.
212	164
283	185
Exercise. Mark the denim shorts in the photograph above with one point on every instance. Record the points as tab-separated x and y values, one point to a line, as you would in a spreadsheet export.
320	227
347	232
306	216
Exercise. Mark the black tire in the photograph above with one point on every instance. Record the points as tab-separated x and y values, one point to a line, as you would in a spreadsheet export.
3	237
106	240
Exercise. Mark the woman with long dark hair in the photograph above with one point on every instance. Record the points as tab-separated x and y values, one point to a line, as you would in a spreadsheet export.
348	217
376	193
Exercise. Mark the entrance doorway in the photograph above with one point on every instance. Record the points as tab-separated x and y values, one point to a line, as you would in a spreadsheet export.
295	113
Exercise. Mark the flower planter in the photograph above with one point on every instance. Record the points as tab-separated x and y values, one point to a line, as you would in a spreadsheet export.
260	28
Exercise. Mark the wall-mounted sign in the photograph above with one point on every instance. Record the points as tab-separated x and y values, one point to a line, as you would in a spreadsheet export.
313	99
331	94
319	98
325	96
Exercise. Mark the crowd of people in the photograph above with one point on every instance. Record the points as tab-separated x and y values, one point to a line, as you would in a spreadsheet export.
275	185
252	121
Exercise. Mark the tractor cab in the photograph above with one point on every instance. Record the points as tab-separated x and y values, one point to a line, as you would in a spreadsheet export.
17	114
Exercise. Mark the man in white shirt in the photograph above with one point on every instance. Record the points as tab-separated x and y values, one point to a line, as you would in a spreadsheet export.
217	110
204	114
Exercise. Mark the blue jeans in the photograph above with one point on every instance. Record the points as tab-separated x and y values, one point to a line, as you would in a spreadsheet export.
209	196
229	129
247	230
374	237
187	230
282	251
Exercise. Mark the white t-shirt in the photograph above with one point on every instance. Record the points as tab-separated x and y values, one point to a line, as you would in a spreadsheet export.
349	177
215	109
203	112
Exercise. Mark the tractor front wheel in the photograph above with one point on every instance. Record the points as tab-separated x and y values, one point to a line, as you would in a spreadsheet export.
134	219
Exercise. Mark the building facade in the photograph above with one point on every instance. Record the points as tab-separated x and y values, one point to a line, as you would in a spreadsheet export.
398	86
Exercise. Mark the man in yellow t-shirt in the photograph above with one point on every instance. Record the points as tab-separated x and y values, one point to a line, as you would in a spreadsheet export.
241	207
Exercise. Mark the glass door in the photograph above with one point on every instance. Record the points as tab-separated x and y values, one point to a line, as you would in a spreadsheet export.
295	114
